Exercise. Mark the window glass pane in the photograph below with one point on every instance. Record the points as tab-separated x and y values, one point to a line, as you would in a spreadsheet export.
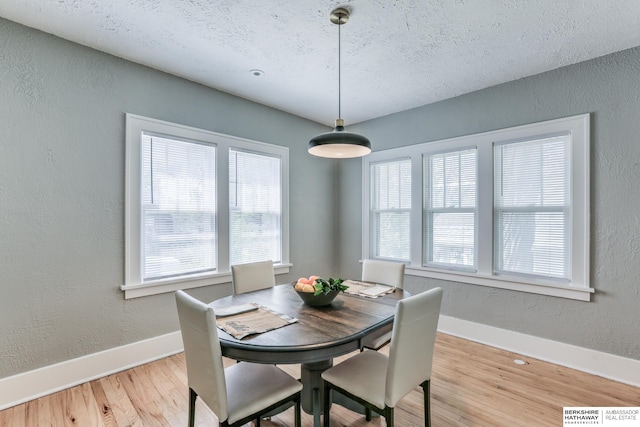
532	173
392	185
453	238
531	202
532	243
391	207
255	203
178	194
392	235
450	208
452	178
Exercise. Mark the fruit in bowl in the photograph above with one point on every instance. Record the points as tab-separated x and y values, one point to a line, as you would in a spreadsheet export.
317	285
316	291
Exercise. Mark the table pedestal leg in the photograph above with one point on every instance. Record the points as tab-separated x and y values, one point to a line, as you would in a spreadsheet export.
312	396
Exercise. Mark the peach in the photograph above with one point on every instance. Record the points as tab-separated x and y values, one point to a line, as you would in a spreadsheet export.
304	280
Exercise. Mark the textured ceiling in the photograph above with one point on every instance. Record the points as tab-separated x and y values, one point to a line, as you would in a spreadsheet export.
396	54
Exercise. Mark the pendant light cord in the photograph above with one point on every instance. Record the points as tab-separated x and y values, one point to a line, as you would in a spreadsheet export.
339	76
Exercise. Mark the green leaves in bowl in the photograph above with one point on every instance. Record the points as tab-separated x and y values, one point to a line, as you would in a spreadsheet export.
323	286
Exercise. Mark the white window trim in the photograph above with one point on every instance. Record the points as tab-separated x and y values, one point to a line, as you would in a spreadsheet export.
133	286
578	126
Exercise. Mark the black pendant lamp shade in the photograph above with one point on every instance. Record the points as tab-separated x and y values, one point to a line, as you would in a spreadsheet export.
339	144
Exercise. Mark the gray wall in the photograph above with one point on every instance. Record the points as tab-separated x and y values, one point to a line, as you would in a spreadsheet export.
609	88
62	151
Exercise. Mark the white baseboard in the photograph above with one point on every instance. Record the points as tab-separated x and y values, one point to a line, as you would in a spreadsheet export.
605	365
49	379
30	385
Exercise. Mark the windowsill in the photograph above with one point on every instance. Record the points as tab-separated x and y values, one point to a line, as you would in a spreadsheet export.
511	283
172	285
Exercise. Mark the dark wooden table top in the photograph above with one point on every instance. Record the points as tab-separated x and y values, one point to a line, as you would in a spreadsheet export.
321	333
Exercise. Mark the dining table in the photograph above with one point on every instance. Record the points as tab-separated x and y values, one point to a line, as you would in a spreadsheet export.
315	338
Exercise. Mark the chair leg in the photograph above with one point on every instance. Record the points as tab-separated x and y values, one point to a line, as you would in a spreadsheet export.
367	414
258	422
297	421
388	416
426	389
192	406
327	405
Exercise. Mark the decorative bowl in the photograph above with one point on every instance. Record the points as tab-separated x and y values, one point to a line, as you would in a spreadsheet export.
318	300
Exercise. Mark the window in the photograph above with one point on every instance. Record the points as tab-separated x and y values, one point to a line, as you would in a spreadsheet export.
391	209
178	207
198	202
255	207
507	208
450	209
532	207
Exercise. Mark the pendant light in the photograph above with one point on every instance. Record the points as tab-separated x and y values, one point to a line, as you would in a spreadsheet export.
339	143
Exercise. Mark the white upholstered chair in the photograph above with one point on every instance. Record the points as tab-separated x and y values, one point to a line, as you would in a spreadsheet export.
386	273
379	382
239	393
252	276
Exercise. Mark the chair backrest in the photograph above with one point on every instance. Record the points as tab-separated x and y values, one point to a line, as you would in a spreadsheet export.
205	371
412	344
252	276
383	272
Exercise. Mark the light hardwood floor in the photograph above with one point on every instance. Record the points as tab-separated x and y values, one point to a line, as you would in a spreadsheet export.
472	385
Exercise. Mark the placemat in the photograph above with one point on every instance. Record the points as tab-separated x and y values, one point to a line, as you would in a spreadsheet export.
253	322
369	290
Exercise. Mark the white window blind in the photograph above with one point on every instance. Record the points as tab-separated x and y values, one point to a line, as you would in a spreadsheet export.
532	207
391	209
178	195
255	204
450	209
